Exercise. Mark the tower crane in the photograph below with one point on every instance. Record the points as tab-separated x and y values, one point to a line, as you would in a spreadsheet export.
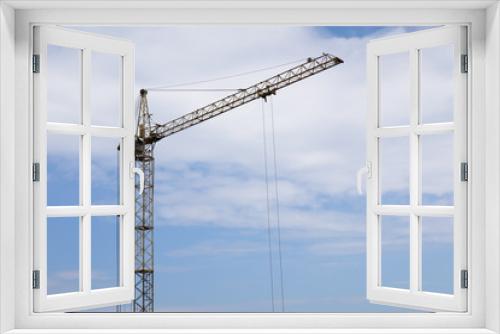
148	135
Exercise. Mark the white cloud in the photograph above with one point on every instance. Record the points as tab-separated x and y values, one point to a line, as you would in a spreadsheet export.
217	248
172	269
320	126
67	275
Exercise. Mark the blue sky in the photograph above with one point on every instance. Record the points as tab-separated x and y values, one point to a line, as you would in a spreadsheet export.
211	237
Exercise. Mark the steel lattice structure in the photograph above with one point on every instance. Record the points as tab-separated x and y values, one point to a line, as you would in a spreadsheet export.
144	212
260	90
146	138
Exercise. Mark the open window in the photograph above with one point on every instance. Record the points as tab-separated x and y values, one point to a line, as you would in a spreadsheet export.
85	149
417	161
84	154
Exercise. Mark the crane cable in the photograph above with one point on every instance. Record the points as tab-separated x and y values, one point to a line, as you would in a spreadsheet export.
278	221
190	83
268	206
275	167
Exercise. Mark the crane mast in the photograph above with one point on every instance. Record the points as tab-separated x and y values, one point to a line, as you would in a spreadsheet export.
146	137
144	211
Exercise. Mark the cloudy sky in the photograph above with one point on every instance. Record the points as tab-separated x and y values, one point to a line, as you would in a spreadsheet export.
212	242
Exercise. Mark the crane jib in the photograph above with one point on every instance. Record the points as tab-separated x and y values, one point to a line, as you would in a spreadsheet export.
262	89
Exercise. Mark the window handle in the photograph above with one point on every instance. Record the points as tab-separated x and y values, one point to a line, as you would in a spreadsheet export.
134	170
363	171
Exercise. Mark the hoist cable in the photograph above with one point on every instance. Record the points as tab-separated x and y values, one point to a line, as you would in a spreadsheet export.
264	137
226	77
185	90
278	220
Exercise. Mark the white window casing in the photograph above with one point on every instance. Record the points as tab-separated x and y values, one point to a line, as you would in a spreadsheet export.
484	60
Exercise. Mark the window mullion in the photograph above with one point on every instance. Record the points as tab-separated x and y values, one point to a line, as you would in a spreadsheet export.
414	175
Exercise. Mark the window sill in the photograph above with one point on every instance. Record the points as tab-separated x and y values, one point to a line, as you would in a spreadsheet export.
255	331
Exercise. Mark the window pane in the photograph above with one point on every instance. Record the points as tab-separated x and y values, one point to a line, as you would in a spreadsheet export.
394	89
436	84
395	252
437	169
437	254
105	170
394	169
105	252
106	89
63	169
64	75
63	255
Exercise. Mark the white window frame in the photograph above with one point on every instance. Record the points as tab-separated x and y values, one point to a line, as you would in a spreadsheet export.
85	211
483	18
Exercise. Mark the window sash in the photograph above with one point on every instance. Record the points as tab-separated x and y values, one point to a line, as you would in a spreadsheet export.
414	297
86	296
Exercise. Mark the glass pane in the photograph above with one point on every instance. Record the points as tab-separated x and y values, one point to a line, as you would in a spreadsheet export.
394	89
105	252
437	169
63	169
437	254
436	84
395	251
64	84
106	89
394	170
63	255
105	170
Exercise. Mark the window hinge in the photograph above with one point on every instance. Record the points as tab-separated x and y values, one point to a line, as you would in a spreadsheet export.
464	171
36	279
36	172
465	64
36	63
464	279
